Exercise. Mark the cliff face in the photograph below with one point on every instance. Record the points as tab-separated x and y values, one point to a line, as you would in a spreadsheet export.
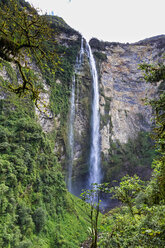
123	90
123	111
125	117
82	122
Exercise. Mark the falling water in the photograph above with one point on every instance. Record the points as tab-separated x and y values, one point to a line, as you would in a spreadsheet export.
71	135
95	171
79	61
78	66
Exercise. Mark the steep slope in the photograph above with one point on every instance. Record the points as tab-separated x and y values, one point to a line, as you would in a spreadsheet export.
36	208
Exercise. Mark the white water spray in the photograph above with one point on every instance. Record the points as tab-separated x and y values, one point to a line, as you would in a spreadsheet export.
95	171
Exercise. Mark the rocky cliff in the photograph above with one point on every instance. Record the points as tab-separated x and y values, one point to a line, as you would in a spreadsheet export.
125	117
123	89
123	94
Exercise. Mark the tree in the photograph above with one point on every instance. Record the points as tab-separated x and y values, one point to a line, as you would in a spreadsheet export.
92	196
25	38
39	219
156	74
127	191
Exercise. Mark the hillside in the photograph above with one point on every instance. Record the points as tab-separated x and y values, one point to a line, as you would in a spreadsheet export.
46	124
36	209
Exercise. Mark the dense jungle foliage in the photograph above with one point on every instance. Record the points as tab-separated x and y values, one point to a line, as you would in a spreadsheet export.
35	208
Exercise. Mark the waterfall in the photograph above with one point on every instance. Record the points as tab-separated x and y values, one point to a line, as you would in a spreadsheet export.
94	169
94	162
79	61
71	135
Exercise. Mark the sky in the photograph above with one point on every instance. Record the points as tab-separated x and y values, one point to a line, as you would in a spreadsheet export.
110	20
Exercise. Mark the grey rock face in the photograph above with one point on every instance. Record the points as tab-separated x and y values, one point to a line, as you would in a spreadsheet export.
82	120
45	116
123	90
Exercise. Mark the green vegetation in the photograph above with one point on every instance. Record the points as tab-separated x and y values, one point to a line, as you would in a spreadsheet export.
92	196
102	57
60	88
59	25
140	221
68	59
27	165
134	157
23	34
60	92
145	230
35	208
106	117
37	55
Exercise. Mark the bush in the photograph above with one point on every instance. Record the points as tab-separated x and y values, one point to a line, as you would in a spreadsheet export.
39	218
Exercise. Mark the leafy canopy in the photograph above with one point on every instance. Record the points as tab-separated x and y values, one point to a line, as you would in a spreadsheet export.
156	74
26	38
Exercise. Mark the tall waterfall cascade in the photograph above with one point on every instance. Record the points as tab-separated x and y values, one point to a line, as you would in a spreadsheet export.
94	159
73	99
94	167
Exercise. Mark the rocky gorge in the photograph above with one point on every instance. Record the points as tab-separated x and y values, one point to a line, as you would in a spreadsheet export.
125	118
